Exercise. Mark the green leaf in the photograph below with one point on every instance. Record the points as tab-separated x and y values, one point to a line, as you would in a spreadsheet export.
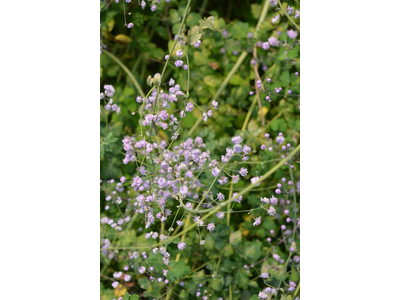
255	10
179	269
285	78
193	19
174	16
235	238
194	35
239	30
207	26
217	283
200	58
212	80
242	277
126	296
134	297
123	38
252	250
294	52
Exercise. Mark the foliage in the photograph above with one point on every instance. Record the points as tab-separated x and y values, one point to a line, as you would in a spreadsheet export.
232	61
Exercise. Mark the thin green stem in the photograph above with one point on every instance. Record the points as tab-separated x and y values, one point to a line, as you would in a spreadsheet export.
297	290
188	83
228	216
246	121
128	72
263	14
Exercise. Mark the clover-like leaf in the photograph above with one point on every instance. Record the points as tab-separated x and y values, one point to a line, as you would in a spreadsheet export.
252	250
179	269
194	35
207	26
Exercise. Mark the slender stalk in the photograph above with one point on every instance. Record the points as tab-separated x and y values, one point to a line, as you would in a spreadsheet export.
284	270
257	75
297	290
263	14
128	72
246	121
188	83
228	215
294	193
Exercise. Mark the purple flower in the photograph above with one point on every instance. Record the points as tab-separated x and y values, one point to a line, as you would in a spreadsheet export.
273	41
220	196
243	172
211	227
257	221
115	284
109	90
130	25
197	44
237	139
237	148
264	275
292	286
179	63
183	190
291	33
246	149
181	245
265	46
275	19
189	107
220	215
280	139
215	172
179	53
271	211
153	8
